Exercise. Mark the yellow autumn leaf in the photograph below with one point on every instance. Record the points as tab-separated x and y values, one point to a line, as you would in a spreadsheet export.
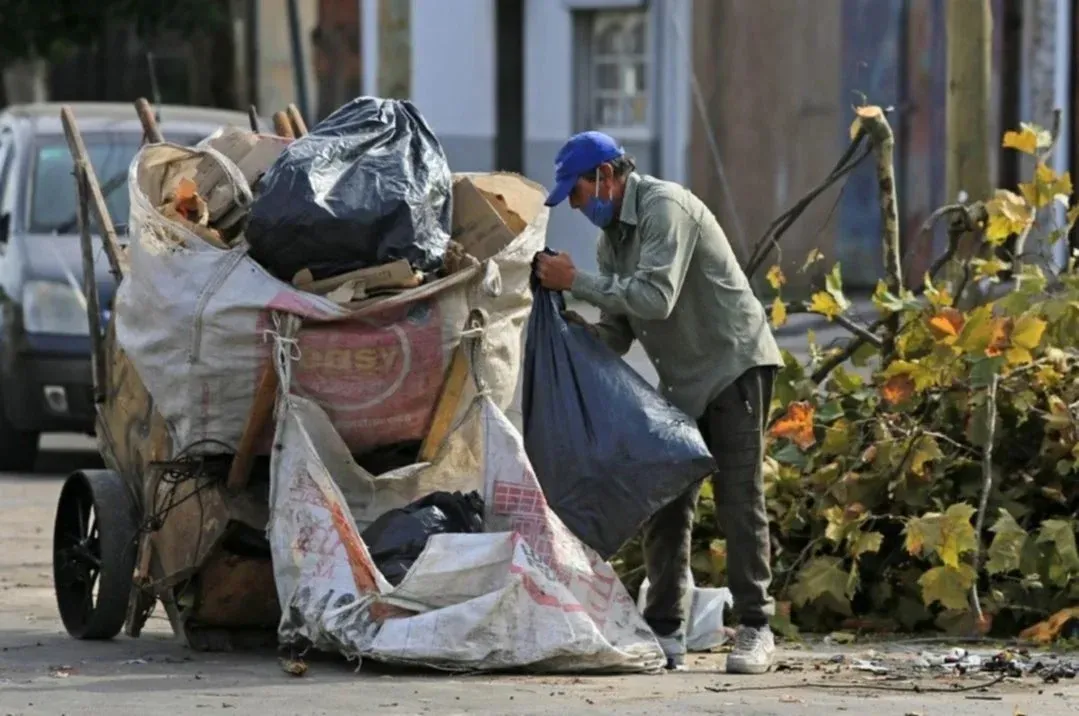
1009	214
825	304
1025	337
938	297
950	586
1073	215
1025	141
925	450
779	312
923	377
775	277
989	268
1048	186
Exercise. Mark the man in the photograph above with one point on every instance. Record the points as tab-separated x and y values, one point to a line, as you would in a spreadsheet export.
668	278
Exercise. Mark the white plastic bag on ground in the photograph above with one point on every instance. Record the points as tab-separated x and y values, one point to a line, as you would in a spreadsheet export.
703	607
527	594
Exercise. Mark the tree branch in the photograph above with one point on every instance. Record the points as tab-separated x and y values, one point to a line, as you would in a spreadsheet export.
987	486
862	332
882	138
779	226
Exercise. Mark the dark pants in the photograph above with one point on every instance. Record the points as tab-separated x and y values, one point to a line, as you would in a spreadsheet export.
733	426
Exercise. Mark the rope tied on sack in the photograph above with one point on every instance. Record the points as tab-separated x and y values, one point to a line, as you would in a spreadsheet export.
286	349
476	329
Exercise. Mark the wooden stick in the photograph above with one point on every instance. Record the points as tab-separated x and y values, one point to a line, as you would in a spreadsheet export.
265	394
452	390
89	284
78	152
282	125
149	122
299	127
254	426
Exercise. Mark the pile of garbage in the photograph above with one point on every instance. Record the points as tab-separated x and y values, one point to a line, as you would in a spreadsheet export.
388	297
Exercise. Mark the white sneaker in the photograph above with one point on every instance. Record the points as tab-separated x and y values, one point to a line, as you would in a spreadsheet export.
754	651
674	648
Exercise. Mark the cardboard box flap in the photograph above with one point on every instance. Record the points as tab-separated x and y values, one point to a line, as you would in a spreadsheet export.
490	210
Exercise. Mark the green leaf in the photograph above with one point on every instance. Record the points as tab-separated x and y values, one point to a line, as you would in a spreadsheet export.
983	369
948	586
865	543
833	284
789	454
829	412
864	355
1061	534
956	534
837	438
819	577
1006	551
846	381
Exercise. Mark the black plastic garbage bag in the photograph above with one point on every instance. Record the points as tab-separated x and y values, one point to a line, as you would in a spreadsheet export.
608	450
396	539
369	185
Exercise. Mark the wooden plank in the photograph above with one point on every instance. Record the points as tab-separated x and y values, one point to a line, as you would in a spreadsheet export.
149	122
97	201
448	401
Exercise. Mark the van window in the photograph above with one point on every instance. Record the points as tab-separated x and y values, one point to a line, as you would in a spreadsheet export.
53	196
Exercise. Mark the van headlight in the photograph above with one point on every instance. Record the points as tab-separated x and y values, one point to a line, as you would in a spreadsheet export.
56	308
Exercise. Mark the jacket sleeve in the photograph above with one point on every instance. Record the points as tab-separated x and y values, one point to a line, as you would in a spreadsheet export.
613	329
668	235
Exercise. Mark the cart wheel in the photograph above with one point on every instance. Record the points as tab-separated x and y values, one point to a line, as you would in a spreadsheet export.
93	553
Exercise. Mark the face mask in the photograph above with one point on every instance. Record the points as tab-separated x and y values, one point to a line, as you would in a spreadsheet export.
599	211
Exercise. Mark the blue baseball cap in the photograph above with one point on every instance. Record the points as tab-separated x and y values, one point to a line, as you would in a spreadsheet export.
582	153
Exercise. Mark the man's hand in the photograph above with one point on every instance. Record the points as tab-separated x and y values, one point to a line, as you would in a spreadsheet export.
556	272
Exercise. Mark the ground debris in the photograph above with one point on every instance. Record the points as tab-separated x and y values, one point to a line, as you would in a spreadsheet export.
296	667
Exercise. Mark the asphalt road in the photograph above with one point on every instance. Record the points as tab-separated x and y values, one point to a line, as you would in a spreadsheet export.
43	671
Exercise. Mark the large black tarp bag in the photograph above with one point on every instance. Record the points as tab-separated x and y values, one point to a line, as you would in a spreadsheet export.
608	450
396	539
369	185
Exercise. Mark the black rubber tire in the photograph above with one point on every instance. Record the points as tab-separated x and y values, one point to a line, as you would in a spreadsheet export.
76	548
18	448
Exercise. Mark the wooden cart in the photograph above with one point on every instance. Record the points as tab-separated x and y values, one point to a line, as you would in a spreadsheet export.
154	526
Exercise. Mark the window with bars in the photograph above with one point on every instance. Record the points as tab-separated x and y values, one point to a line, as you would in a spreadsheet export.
614	70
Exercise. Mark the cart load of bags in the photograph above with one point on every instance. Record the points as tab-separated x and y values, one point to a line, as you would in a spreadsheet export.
388	299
